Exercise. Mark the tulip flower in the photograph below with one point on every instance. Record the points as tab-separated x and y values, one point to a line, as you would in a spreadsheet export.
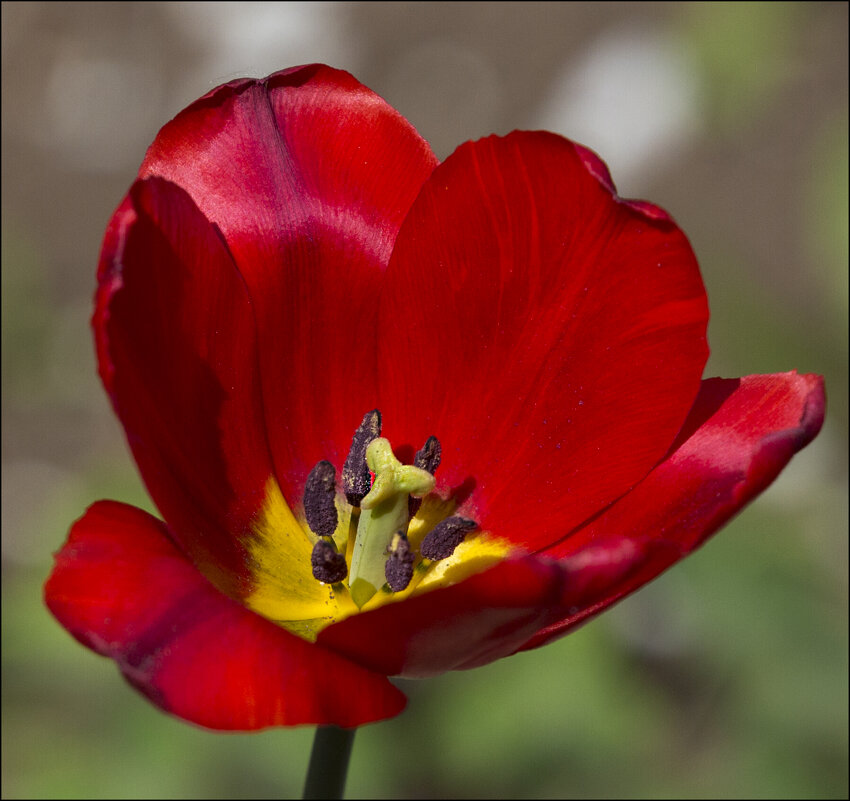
399	416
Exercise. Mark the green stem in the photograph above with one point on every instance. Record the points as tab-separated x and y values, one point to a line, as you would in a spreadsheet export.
329	762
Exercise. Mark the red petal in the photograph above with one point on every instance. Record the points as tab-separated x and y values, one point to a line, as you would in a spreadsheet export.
486	617
122	589
177	349
738	437
549	334
308	175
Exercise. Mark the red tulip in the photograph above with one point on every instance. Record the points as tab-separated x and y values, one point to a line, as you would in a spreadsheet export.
293	257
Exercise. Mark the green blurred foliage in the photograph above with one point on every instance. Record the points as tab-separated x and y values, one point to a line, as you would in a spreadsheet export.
825	205
743	49
726	677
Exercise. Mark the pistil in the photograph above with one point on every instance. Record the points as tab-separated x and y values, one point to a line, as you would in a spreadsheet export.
382	496
384	513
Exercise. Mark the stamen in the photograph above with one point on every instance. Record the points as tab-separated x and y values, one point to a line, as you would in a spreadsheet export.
429	455
328	565
427	458
442	540
399	567
355	474
319	506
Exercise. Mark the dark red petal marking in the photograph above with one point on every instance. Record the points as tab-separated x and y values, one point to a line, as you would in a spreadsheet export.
568	324
319	500
176	344
122	589
484	618
738	437
328	564
442	540
308	175
356	479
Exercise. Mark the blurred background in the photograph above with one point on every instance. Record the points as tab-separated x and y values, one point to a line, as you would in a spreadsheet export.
726	677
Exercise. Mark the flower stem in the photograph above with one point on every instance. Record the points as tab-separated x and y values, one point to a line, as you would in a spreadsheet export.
328	762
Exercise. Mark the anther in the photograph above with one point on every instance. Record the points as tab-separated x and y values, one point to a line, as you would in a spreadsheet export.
399	566
442	540
429	455
427	458
319	506
328	564
356	481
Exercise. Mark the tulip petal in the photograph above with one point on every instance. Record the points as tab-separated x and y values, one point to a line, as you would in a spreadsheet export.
481	619
177	348
122	589
308	175
176	341
738	437
550	334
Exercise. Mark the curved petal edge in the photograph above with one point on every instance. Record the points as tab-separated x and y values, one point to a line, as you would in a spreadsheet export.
122	589
739	436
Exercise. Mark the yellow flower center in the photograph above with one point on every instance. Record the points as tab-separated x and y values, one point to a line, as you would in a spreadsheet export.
374	553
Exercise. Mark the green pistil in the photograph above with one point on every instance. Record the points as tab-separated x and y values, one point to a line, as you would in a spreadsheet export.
392	477
384	512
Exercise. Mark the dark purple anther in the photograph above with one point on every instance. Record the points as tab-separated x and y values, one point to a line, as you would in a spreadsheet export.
429	455
356	480
319	494
399	567
328	564
427	458
442	540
